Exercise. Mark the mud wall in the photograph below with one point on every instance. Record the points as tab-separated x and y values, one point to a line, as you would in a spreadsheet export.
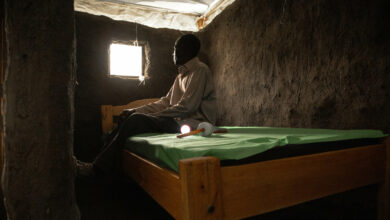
315	64
38	178
3	58
96	88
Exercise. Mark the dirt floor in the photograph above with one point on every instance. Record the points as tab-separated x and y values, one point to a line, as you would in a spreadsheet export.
123	199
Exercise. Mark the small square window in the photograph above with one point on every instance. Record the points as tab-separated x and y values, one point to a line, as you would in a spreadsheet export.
126	60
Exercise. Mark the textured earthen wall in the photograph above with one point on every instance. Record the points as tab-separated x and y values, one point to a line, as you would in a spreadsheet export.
3	59
320	64
38	179
96	88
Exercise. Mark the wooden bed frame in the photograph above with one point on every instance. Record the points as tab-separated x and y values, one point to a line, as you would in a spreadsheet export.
204	190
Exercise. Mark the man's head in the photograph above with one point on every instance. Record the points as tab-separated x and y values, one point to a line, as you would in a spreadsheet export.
186	48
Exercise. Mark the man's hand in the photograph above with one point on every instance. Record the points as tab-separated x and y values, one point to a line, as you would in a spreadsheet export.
125	114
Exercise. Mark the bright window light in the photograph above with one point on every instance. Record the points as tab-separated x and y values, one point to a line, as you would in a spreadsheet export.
125	60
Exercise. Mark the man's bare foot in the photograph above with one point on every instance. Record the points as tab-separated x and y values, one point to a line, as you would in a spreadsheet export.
83	169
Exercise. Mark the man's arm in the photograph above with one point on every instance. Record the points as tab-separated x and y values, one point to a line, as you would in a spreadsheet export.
191	99
156	106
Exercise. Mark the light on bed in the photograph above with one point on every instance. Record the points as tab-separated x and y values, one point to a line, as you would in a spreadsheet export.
185	129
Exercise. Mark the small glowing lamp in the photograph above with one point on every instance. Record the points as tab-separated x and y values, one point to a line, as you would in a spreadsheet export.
185	129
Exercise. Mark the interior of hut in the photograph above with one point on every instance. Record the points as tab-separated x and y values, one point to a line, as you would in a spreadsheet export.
275	63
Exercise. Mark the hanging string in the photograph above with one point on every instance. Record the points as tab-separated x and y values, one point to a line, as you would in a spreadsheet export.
141	77
283	12
136	35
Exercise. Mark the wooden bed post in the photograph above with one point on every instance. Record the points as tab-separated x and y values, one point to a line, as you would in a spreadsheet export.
384	188
201	189
107	118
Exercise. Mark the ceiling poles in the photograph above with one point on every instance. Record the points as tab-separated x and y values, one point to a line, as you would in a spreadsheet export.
215	9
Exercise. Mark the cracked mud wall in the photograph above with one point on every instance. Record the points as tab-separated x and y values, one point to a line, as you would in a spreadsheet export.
38	178
314	64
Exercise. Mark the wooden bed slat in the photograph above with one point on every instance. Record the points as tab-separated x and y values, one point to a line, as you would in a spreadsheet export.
258	188
163	185
201	188
116	110
109	111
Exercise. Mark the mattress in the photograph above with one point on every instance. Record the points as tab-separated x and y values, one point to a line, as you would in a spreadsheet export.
246	144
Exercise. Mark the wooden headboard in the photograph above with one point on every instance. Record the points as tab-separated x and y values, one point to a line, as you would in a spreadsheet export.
109	111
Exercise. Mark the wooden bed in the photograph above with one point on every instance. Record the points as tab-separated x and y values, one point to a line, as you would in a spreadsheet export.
204	190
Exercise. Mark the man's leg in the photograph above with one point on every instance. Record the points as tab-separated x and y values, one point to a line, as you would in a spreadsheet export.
135	124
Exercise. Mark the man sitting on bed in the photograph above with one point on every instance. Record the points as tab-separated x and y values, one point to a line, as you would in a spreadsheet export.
190	101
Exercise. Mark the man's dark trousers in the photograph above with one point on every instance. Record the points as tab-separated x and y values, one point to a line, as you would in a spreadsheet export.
109	158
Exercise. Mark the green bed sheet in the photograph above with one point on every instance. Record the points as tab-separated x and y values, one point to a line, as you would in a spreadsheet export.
238	143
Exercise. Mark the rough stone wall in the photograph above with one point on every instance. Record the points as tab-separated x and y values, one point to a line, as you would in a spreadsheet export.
38	179
96	88
316	64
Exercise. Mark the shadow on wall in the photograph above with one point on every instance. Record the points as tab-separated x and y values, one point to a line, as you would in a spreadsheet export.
3	214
